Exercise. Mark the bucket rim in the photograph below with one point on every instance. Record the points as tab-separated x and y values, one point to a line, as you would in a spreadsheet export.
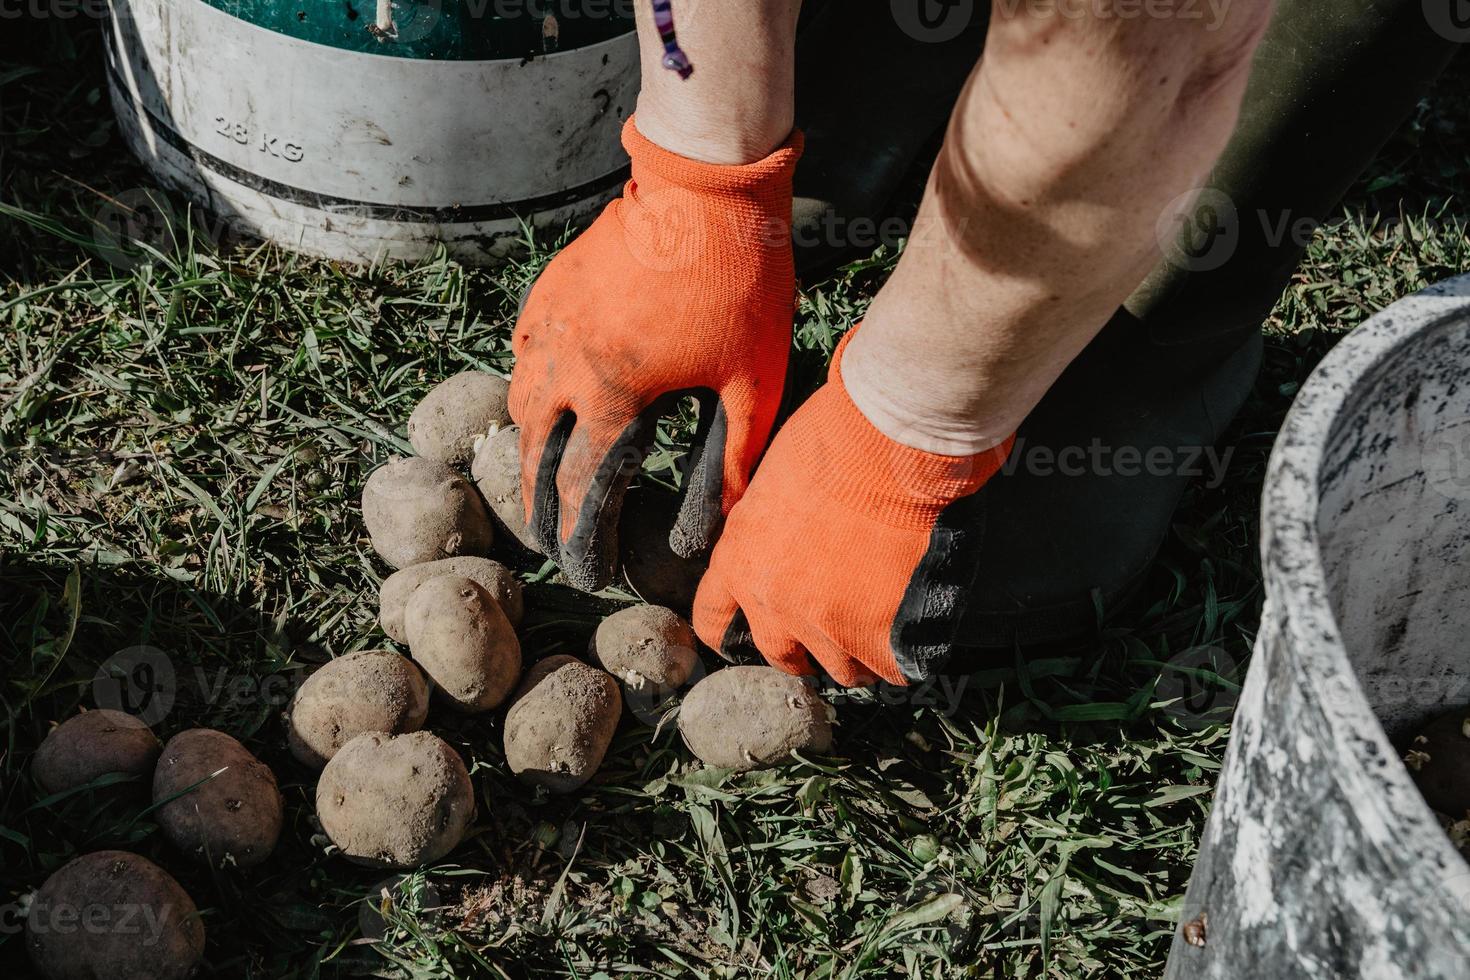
1297	594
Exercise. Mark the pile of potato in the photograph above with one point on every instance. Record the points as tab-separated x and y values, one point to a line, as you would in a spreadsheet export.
393	799
390	793
214	801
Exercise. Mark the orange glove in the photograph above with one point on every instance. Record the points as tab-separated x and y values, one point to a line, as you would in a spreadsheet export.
685	285
849	547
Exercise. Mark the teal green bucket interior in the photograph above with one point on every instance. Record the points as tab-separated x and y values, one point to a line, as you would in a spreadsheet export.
452	30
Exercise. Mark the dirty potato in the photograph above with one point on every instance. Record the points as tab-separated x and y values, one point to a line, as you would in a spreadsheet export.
371	691
753	718
419	510
557	733
92	744
116	915
649	648
497	474
462	640
539	671
233	816
498	580
457	412
395	801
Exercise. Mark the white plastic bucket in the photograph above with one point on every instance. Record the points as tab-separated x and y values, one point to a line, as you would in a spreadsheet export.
343	145
1321	859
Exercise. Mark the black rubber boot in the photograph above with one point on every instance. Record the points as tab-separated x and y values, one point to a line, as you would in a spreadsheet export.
1139	412
873	95
1085	500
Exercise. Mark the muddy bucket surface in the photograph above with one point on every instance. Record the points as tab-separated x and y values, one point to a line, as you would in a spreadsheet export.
1321	859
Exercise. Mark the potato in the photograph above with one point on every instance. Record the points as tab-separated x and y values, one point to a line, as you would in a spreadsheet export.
1440	763
539	671
652	570
418	510
497	473
93	744
753	718
458	411
372	691
233	818
116	915
395	801
463	641
498	580
649	648
557	734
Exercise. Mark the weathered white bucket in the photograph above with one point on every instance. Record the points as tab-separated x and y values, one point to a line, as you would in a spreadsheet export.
1321	859
303	124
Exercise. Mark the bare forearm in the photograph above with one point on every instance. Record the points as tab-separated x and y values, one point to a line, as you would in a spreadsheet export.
739	104
1071	140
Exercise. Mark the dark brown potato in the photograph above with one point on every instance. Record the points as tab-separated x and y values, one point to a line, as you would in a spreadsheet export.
498	580
651	568
753	718
93	744
557	734
371	691
395	801
497	472
649	648
463	641
233	818
116	915
1439	762
418	510
460	410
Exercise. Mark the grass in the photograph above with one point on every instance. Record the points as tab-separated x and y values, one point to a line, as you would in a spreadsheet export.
185	436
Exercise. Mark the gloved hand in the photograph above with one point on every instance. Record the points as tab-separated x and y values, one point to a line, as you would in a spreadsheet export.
849	547
683	286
